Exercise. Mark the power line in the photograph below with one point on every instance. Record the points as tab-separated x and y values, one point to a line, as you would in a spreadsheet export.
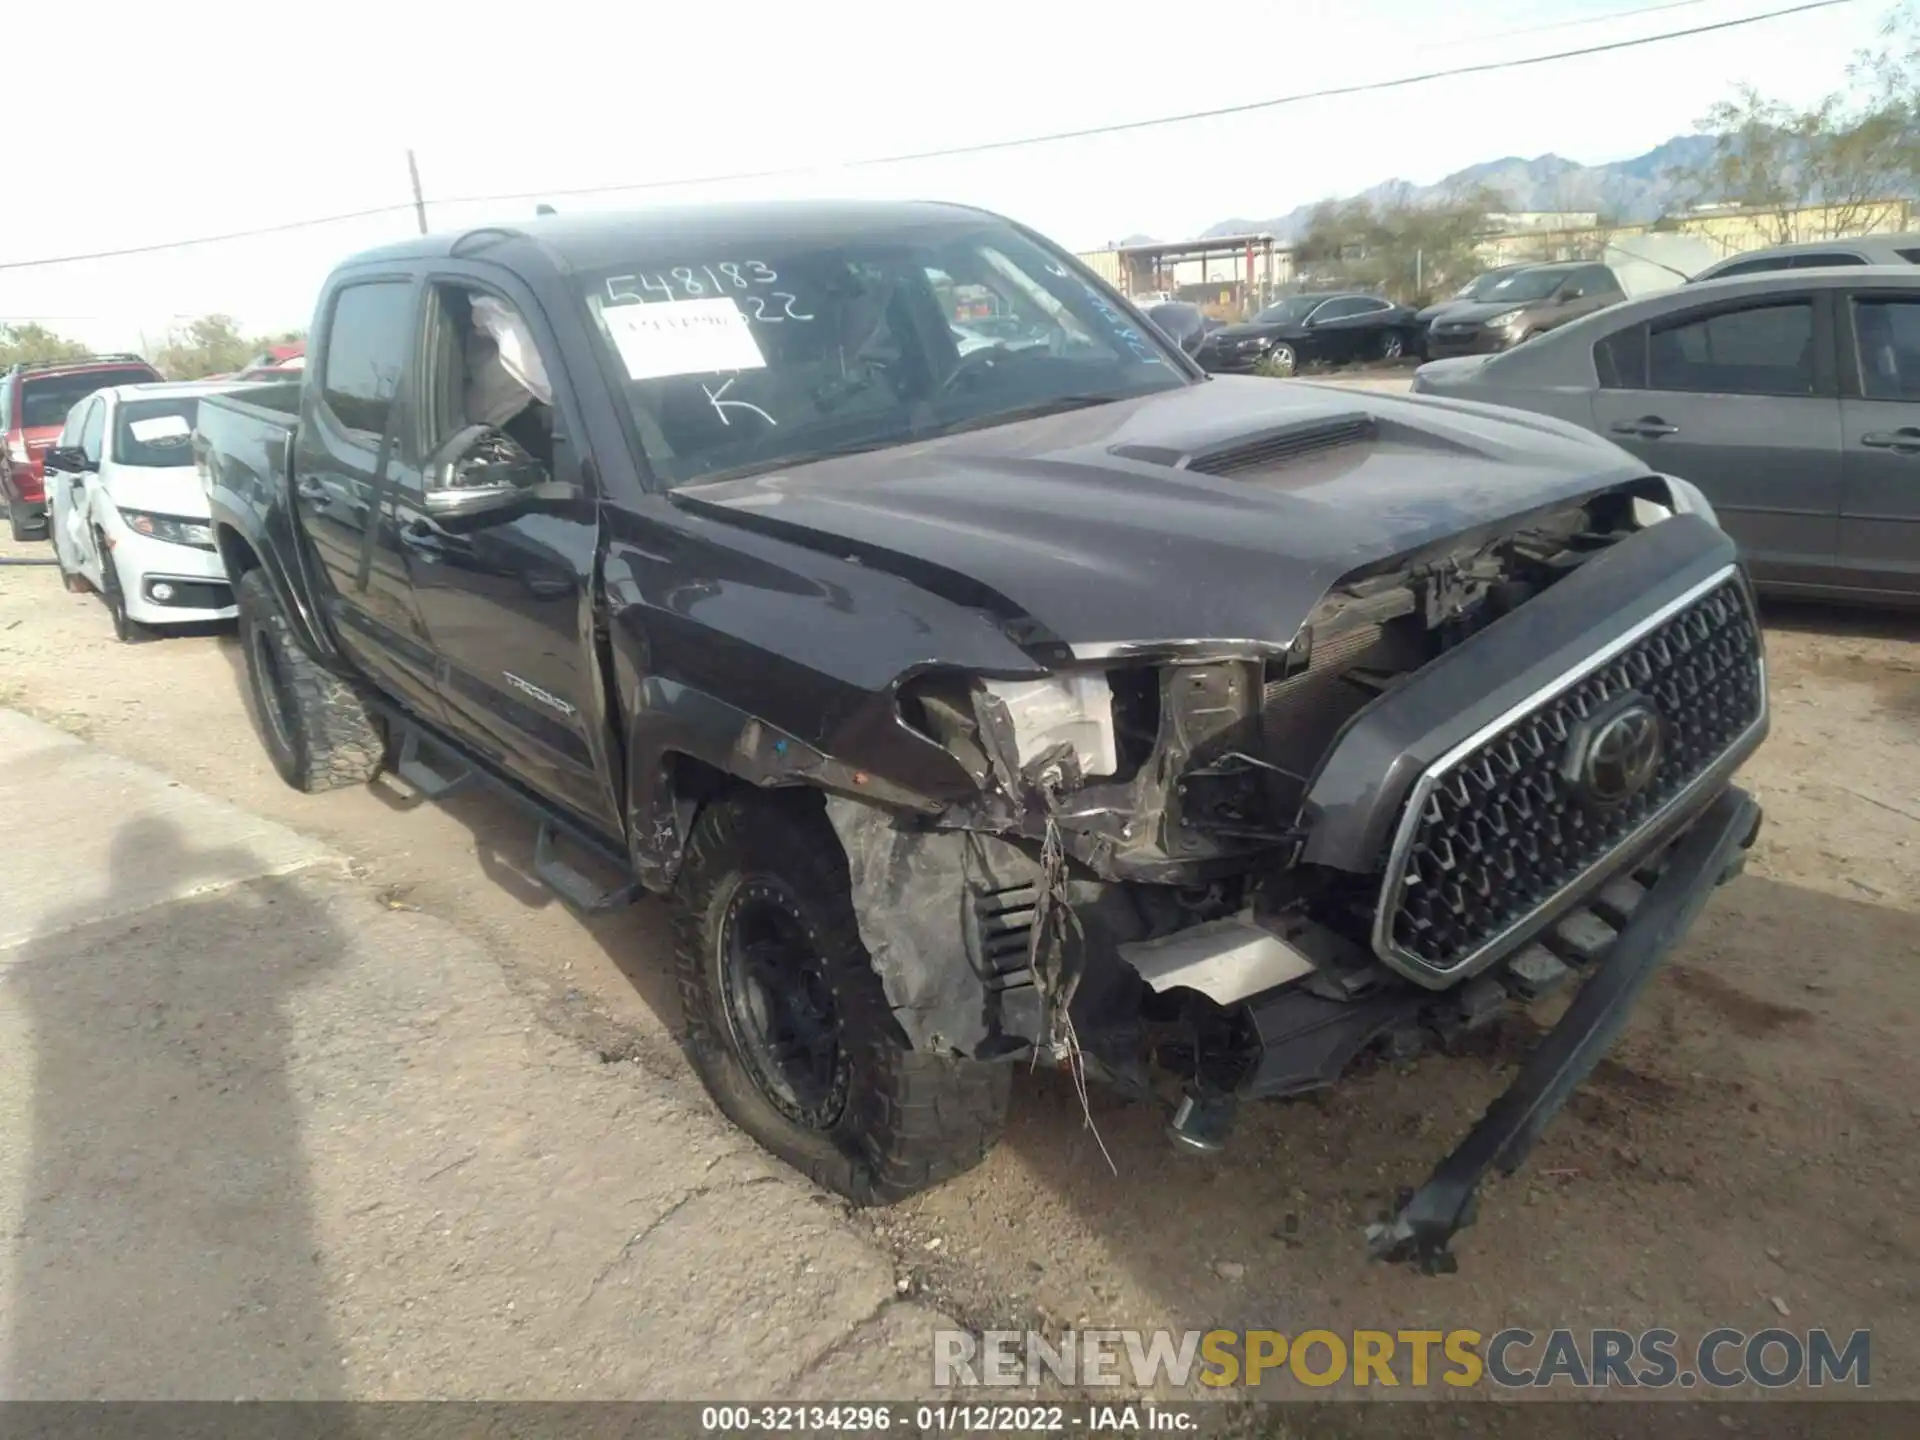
1574	24
951	152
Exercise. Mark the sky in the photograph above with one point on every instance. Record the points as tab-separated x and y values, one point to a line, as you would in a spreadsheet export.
204	119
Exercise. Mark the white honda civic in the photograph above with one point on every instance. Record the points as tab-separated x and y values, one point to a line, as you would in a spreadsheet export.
127	513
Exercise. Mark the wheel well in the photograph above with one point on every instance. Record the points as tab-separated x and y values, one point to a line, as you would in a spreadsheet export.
235	553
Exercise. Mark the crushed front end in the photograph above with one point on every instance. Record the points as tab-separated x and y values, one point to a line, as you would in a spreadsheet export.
1481	773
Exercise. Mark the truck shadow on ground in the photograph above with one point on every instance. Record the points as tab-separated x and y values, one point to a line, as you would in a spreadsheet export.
165	1246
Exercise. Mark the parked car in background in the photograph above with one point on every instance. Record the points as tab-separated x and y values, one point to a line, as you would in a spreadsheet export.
1519	306
1186	325
127	513
34	401
1791	399
1311	329
1819	255
1474	290
278	362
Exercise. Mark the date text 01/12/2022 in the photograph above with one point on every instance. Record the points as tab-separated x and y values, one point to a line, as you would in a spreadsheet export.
961	1419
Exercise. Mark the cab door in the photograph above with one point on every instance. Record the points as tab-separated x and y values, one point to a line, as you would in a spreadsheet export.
508	599
350	461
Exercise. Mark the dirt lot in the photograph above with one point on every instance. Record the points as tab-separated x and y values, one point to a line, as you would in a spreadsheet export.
1747	1152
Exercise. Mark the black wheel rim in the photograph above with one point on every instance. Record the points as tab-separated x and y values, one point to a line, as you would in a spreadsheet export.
780	1006
269	686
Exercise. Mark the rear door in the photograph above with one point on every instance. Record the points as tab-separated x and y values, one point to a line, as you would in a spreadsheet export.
348	464
1740	397
1880	428
1342	327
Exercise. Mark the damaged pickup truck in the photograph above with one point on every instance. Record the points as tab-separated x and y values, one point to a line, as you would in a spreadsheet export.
1038	701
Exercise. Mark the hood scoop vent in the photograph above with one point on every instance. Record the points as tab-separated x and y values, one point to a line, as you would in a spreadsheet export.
1267	450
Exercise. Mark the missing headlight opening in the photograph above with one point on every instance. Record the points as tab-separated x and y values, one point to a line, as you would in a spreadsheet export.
1212	824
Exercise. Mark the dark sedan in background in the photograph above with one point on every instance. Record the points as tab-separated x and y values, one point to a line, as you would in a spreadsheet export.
1474	290
1519	306
1790	399
1312	329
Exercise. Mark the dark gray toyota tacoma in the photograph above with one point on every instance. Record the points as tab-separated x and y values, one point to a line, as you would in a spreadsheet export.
980	682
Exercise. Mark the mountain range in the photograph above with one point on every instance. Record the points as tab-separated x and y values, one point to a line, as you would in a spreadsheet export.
1640	189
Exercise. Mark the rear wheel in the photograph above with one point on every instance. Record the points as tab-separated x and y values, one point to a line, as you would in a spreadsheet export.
1392	345
788	1025
126	629
22	522
318	729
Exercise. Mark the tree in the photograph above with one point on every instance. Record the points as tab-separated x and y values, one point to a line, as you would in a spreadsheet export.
33	344
1843	156
211	345
1409	249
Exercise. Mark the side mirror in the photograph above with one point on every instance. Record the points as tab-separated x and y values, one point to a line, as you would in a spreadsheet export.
461	483
66	460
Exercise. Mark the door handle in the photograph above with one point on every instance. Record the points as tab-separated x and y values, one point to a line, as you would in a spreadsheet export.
1647	427
1904	441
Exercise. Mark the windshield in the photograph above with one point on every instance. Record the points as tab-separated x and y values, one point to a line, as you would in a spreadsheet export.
44	402
782	354
1289	312
1527	285
1477	288
155	432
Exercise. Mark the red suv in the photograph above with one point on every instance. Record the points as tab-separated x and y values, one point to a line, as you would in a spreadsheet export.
34	401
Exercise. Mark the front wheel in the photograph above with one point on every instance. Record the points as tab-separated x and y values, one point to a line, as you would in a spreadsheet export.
1392	346
72	580
126	629
787	1023
318	730
1281	360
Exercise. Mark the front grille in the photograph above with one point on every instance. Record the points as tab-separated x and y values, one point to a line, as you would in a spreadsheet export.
1496	833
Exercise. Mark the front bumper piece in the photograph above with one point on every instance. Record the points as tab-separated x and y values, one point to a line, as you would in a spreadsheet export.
1711	852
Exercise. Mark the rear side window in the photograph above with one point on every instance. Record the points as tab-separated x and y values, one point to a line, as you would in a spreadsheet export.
1888	333
1763	350
1754	267
44	402
1620	359
368	338
1911	256
1820	260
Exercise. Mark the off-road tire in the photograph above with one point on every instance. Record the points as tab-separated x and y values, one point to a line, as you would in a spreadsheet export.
910	1120
126	629
21	525
320	732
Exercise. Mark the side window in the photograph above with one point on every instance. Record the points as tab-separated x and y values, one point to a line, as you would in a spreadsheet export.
1752	267
1339	309
1820	260
482	367
6	405
1888	335
1764	350
1620	359
93	429
1600	280
368	336
76	419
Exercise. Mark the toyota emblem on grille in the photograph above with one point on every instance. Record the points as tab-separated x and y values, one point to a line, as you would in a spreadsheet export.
1617	758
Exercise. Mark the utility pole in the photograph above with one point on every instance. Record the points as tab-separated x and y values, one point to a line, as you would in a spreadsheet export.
419	200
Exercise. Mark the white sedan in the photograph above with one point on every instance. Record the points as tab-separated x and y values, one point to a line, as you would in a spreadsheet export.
127	513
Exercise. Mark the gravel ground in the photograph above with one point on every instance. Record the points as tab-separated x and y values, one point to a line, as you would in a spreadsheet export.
1747	1151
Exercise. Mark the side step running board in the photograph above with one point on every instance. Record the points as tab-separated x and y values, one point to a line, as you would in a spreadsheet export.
575	889
426	782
